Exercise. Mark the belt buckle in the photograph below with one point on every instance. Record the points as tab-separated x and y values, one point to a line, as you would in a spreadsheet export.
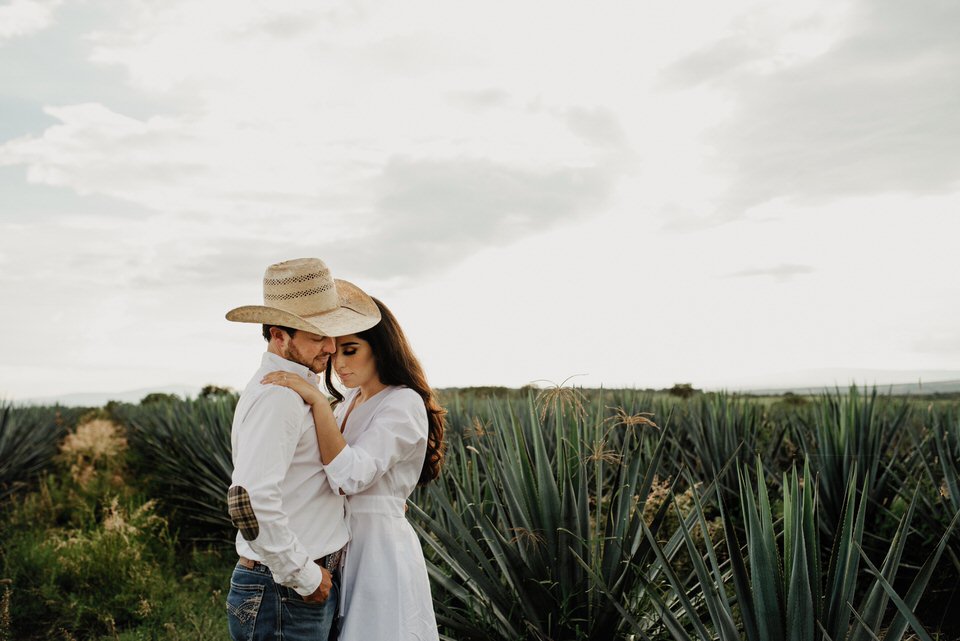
332	561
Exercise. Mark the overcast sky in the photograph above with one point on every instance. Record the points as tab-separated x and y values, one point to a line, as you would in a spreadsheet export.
639	193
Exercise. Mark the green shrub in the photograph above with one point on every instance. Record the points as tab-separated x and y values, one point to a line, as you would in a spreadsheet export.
86	556
29	437
181	449
93	574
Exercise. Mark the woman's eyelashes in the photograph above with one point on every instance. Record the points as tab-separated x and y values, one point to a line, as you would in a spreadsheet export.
349	352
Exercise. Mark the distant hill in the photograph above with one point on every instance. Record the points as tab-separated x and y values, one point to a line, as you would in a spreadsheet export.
901	389
805	382
812	381
99	399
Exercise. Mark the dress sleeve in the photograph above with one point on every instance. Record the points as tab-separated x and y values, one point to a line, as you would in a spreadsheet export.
396	431
267	440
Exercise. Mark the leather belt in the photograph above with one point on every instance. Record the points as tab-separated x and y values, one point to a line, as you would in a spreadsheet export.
330	561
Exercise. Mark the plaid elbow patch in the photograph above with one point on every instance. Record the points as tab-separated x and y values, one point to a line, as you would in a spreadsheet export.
241	513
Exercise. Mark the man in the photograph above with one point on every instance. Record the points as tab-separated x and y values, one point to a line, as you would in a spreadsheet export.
291	526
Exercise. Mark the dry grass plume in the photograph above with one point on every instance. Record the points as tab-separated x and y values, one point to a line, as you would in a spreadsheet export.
561	398
94	445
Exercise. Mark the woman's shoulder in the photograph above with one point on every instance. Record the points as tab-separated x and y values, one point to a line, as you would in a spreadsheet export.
401	395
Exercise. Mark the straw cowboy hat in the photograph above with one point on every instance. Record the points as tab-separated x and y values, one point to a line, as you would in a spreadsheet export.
301	294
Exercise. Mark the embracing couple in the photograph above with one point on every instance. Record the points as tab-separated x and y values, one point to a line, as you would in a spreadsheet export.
318	494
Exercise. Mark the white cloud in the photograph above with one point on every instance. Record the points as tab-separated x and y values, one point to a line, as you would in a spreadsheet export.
25	17
501	175
869	107
781	273
321	117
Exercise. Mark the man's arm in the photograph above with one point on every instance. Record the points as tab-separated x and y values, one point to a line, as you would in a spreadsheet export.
267	438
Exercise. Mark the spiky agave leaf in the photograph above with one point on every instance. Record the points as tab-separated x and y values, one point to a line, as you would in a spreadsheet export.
545	502
857	429
788	591
184	448
29	437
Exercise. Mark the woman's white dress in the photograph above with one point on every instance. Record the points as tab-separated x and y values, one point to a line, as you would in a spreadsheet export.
385	589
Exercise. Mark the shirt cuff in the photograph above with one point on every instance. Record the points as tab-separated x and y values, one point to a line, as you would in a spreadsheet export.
308	579
338	470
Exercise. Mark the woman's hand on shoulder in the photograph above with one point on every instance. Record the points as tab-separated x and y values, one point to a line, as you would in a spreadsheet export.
308	392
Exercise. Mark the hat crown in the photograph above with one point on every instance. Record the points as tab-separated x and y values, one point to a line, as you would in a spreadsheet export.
301	294
302	286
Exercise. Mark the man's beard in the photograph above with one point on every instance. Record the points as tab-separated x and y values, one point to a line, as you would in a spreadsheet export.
316	366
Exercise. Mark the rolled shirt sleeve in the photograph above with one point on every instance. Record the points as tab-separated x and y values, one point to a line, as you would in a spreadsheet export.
266	441
397	430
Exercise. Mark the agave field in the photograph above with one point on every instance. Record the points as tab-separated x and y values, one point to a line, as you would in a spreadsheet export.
565	514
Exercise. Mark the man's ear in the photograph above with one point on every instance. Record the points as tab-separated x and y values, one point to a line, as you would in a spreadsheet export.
278	337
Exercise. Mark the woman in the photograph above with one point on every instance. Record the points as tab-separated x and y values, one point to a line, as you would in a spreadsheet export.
391	441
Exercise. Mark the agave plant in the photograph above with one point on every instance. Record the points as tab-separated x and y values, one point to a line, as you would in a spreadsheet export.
855	431
945	433
781	591
721	431
538	532
184	449
938	442
29	437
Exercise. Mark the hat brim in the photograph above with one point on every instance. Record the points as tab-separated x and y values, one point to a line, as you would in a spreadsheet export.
356	312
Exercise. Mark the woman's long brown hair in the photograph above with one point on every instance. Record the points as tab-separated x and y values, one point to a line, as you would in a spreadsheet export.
397	365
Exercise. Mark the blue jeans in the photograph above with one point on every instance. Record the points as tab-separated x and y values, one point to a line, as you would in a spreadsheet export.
259	609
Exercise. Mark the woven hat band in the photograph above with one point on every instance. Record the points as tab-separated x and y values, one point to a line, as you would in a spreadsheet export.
304	292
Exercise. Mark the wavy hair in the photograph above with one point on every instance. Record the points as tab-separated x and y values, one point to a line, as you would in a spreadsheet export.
397	365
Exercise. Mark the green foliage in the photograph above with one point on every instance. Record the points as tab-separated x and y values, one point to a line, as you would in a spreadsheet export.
793	400
182	448
719	431
214	390
716	434
159	397
86	555
854	431
942	462
87	579
683	390
538	529
561	513
935	435
28	442
782	592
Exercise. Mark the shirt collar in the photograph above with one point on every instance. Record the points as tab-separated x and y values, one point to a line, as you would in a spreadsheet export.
272	362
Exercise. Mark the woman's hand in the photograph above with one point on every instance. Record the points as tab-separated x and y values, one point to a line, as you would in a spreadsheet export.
311	395
328	434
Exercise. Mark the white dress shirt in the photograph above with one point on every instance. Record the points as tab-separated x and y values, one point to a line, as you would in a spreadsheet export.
276	459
